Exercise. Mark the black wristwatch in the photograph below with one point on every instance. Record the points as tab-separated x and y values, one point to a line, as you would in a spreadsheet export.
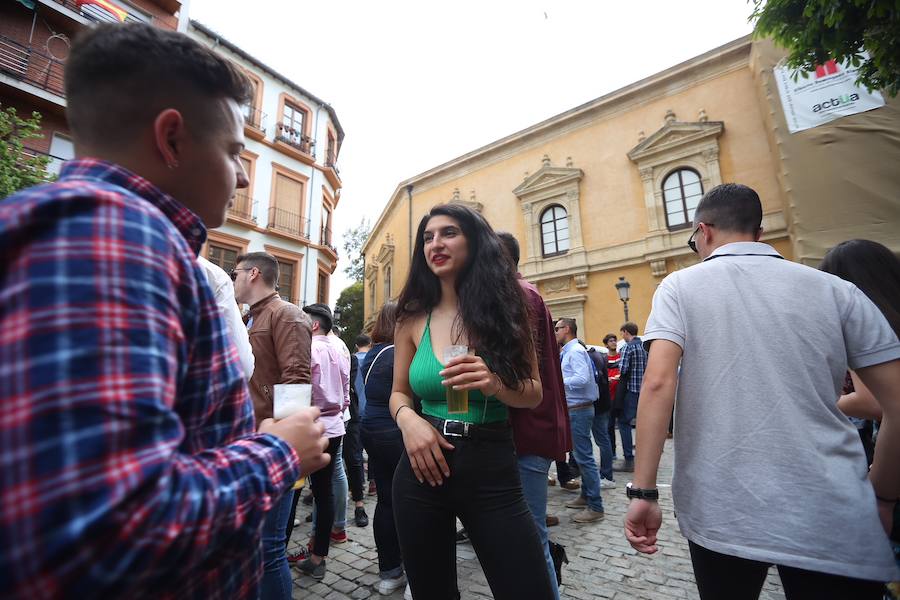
633	492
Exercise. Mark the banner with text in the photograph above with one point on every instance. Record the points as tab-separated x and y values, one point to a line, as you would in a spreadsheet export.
828	94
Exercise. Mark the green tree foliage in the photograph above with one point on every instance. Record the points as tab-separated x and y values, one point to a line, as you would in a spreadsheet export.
354	240
350	303
19	169
814	31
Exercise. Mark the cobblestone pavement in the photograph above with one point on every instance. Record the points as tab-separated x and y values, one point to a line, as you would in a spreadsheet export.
601	563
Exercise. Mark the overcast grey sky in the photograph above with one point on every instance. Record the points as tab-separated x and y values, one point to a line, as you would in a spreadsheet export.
418	83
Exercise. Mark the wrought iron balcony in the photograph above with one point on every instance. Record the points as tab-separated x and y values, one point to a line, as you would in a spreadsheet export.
31	66
254	117
294	138
243	206
325	238
288	222
96	14
331	161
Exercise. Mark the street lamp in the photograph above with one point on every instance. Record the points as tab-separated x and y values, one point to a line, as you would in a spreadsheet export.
337	315
622	288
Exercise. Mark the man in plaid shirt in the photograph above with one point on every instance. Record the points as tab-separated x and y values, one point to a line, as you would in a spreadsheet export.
130	461
631	375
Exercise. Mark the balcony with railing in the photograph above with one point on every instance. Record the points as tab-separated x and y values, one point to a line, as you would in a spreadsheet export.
254	118
243	206
31	66
331	161
95	14
288	222
295	139
325	238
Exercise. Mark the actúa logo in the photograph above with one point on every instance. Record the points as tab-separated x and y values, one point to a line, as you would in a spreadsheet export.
838	102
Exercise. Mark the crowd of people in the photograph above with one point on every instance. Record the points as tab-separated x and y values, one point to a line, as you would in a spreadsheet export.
142	449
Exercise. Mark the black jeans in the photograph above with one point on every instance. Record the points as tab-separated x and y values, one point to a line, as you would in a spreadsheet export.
720	576
320	482
485	492
353	460
385	447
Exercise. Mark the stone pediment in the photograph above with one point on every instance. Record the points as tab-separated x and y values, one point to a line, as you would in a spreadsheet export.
674	135
371	271
548	178
385	254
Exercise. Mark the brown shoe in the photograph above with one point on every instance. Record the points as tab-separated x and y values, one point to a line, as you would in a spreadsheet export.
571	485
552	521
551	480
579	502
588	515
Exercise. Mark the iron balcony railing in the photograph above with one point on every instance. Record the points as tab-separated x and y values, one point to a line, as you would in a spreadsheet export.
325	238
288	222
294	138
243	206
331	161
254	117
31	66
96	14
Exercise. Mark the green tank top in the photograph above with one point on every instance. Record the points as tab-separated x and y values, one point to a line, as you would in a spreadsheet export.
426	384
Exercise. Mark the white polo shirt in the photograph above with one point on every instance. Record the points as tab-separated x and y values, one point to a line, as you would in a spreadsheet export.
766	466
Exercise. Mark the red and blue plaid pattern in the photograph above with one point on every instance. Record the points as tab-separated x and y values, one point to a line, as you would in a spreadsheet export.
128	458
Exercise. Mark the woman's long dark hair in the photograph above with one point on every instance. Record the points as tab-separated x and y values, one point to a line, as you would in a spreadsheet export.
493	313
872	268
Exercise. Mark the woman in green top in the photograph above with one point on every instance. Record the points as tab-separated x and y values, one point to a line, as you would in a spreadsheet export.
462	290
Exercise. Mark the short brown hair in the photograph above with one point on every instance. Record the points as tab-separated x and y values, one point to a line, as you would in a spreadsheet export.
265	262
630	327
118	77
383	330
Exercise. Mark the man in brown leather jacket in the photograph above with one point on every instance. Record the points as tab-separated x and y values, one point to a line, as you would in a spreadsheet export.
280	335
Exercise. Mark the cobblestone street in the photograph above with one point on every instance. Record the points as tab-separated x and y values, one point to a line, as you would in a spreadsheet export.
601	563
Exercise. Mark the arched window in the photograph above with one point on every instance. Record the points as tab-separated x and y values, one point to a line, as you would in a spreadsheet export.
682	191
555	231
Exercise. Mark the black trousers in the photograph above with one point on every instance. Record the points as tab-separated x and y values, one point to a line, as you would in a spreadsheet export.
724	577
320	482
353	460
485	492
385	447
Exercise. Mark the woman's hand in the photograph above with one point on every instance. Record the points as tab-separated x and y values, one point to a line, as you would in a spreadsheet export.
468	372
423	446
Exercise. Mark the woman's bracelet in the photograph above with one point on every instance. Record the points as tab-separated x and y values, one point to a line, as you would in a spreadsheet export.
397	412
499	385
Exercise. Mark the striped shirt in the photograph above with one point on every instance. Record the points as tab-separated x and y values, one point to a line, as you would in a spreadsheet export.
129	463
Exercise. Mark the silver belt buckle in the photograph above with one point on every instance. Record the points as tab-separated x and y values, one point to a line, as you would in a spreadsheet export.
465	432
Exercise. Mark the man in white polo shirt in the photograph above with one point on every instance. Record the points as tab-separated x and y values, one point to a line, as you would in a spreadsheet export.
767	469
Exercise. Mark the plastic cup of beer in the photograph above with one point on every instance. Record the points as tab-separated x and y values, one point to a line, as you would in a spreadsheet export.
290	398
457	400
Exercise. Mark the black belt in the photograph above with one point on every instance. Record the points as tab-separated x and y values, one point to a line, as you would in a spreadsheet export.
581	406
497	431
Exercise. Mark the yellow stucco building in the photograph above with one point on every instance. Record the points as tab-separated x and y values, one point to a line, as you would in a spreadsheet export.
607	189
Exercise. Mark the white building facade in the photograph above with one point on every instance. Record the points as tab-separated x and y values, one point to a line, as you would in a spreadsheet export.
292	144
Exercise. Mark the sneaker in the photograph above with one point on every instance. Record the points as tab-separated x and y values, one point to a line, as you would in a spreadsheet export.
407	595
570	486
607	484
625	466
462	536
551	480
316	571
338	537
389	586
308	499
552	521
579	502
308	518
588	515
372	490
301	555
296	522
361	518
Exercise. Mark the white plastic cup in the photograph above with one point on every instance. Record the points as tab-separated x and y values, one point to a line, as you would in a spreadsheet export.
291	398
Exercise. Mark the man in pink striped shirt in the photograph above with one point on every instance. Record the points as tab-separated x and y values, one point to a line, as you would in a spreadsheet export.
330	372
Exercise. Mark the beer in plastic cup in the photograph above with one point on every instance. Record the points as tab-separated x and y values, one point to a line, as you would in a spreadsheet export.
290	398
457	400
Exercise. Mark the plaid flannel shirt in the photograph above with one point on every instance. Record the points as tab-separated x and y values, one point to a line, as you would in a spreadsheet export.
129	463
632	364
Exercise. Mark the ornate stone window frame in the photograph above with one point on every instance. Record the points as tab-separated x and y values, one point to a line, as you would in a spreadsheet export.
571	307
677	145
547	187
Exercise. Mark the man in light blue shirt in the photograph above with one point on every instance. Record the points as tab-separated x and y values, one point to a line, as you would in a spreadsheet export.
581	392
